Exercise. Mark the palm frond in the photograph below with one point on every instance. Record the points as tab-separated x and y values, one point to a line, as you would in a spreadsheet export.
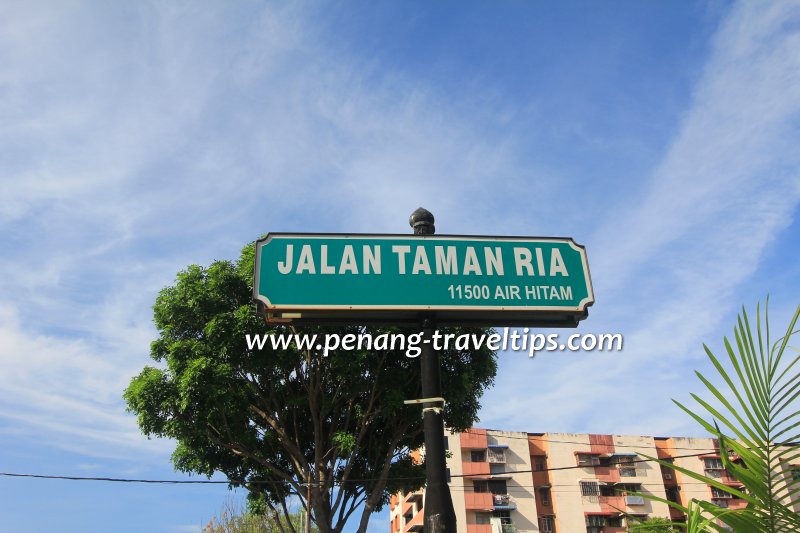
758	412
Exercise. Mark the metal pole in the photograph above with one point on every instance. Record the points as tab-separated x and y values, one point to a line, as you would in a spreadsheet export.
439	516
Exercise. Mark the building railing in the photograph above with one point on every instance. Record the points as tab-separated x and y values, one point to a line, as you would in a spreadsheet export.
496	456
504	501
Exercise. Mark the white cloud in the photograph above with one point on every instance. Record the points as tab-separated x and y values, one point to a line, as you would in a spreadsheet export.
667	269
62	388
138	147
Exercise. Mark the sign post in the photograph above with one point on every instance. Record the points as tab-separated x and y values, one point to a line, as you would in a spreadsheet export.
476	280
439	516
427	280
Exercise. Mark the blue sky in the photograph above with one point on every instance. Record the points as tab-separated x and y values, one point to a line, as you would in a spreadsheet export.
138	138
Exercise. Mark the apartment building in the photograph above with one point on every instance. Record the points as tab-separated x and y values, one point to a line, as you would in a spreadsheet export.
503	482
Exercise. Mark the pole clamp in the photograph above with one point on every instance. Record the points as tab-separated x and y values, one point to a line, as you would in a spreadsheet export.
437	409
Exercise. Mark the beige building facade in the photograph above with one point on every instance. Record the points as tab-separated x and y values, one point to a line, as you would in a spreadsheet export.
504	482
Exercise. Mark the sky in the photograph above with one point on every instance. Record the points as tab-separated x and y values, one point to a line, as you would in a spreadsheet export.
137	138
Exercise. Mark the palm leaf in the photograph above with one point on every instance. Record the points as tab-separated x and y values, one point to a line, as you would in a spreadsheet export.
757	409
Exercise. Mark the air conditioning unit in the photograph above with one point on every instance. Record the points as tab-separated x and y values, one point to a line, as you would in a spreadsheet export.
634	500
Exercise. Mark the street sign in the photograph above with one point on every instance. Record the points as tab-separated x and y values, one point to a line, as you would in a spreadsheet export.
536	281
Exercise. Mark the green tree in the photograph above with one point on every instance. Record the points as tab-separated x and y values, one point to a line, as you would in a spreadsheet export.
283	422
654	525
236	518
758	410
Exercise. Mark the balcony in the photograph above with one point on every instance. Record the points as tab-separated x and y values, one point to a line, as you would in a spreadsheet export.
478	501
415	524
479	528
474	439
617	502
503	502
496	455
720	502
737	503
475	469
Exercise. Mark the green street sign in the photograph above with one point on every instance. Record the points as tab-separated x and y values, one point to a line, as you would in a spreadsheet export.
393	278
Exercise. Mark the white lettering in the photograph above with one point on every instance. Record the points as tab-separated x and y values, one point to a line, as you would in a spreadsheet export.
306	261
401	251
522	259
421	263
284	267
540	261
557	264
324	267
348	263
471	265
446	264
494	261
372	259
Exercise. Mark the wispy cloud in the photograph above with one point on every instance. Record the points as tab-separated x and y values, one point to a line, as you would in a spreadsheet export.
135	149
667	267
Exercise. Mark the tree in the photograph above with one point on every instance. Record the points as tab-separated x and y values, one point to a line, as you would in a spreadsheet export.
235	518
654	525
285	422
758	409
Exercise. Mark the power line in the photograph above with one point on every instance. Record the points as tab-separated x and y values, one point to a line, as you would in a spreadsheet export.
120	480
283	482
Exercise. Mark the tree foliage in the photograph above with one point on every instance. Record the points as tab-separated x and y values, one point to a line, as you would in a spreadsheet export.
235	518
278	421
756	418
654	525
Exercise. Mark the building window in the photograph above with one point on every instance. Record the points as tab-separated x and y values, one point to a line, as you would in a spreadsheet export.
719	493
626	465
483	518
672	494
794	470
498	486
478	456
595	520
629	487
633	519
497	469
504	516
538	464
547	524
481	487
544	496
608	490
589	488
587	459
712	463
497	455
